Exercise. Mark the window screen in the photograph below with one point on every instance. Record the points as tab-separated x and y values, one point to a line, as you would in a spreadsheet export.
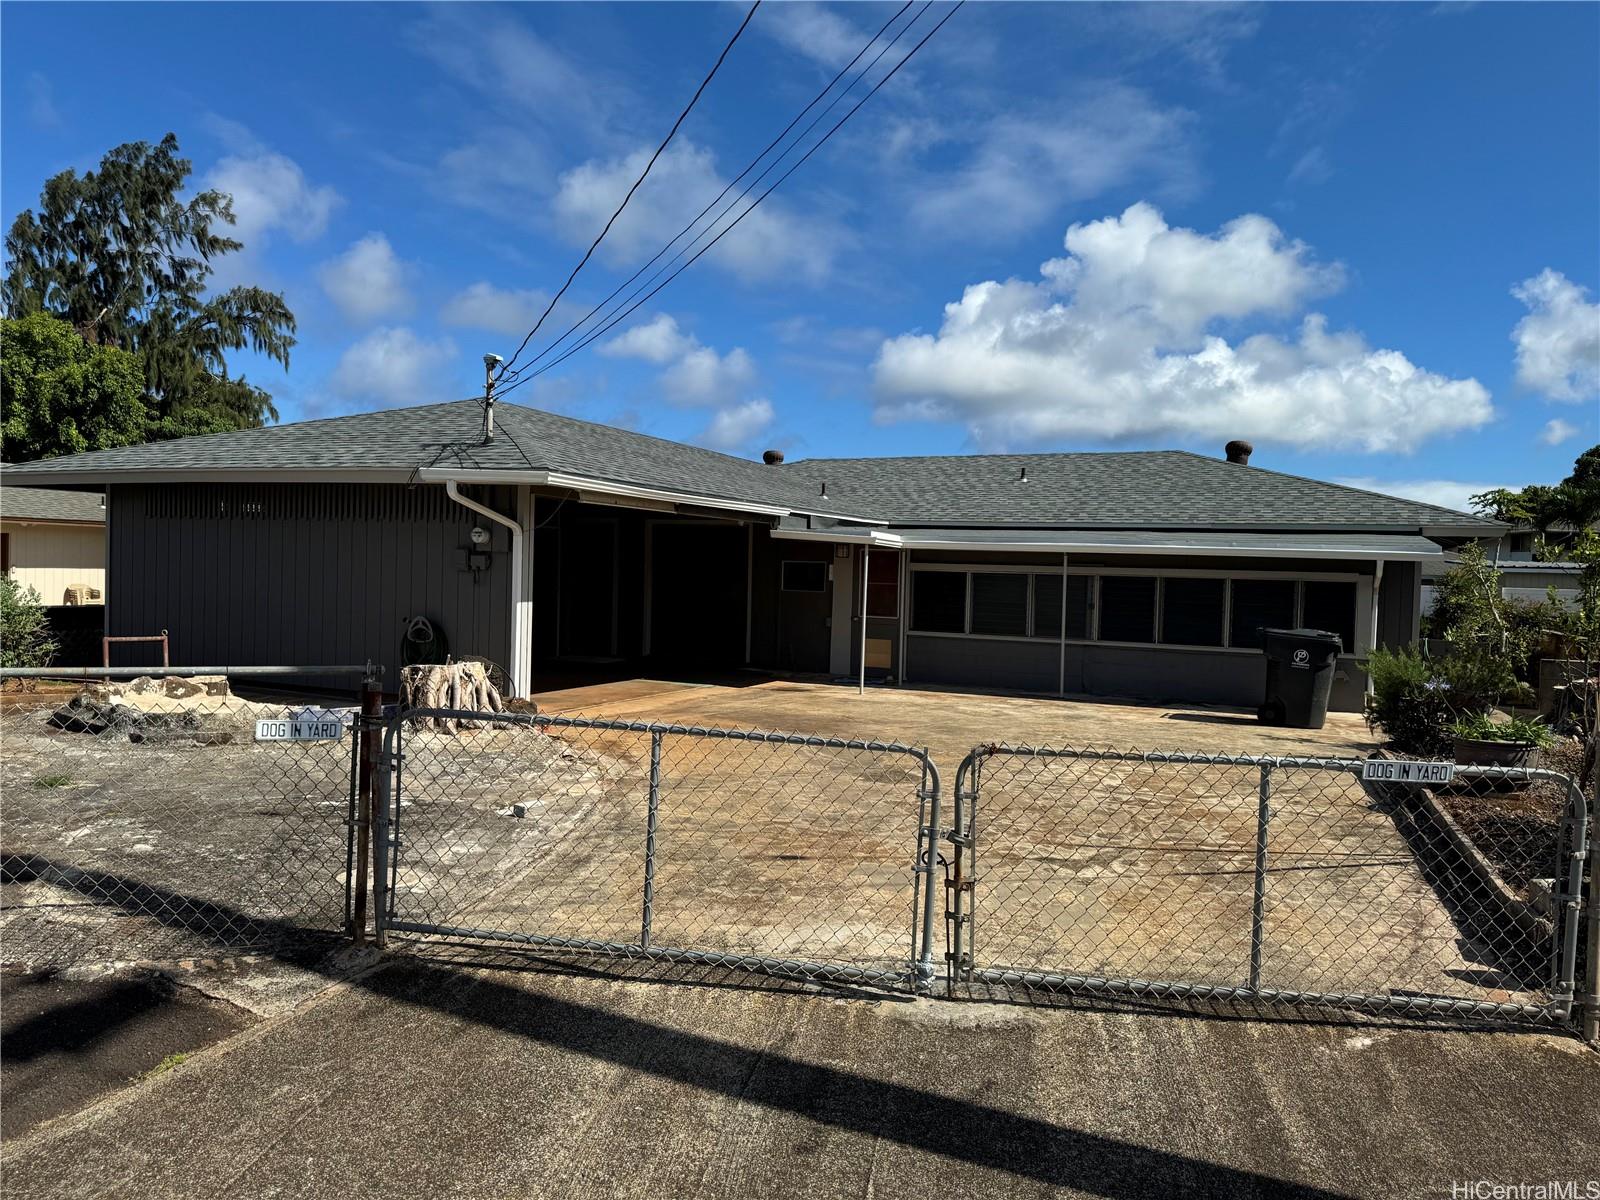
1260	604
1000	605
805	576
939	601
1331	605
1127	608
1047	606
883	583
1191	611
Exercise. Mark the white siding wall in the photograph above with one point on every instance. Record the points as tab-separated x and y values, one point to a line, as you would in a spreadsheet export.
51	558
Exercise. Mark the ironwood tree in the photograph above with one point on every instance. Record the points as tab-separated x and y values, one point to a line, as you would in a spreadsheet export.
126	260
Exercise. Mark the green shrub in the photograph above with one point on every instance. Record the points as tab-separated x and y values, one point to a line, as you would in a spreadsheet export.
1411	701
1481	727
24	637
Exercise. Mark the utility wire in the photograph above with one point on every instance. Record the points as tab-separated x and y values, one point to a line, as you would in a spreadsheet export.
613	322
704	83
815	100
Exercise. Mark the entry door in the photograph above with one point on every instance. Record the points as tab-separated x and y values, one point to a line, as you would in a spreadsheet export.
805	602
589	589
698	595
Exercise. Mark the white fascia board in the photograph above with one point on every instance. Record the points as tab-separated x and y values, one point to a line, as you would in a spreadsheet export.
583	483
1363	555
854	537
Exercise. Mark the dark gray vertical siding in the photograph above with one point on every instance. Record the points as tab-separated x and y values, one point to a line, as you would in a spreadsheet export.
1399	600
283	575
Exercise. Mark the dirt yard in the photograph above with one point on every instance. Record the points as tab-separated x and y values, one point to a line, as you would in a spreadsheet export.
191	841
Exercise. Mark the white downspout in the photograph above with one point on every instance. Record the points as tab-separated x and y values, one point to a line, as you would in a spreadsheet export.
521	624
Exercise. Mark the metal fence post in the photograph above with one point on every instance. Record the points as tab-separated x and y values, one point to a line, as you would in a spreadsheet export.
925	867
1591	1002
370	733
652	813
1258	910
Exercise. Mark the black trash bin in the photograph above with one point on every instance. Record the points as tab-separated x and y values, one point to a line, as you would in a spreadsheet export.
1300	665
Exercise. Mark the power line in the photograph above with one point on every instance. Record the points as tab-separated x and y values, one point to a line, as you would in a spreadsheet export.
704	83
613	322
735	180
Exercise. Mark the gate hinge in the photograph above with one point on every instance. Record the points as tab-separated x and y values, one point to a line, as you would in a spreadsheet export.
956	838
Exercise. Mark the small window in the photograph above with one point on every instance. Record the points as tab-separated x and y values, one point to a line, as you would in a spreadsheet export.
1047	606
1260	604
883	583
1127	608
1000	605
939	601
1331	604
805	576
1191	611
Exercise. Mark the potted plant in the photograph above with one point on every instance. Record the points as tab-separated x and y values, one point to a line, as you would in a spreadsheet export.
1481	741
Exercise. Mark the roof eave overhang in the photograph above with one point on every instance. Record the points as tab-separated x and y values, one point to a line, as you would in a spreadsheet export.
891	541
608	487
104	478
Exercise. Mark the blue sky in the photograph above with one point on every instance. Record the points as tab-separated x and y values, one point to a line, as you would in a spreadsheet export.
1364	237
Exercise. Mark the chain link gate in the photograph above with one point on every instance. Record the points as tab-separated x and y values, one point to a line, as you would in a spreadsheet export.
1269	882
783	854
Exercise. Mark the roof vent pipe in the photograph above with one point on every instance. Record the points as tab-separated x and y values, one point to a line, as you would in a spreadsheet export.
772	457
1239	452
823	494
1022	474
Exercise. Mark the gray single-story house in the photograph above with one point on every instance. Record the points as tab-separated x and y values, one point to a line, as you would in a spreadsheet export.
554	546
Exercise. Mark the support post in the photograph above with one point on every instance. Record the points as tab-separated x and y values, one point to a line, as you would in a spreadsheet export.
1061	668
369	733
653	810
1258	911
866	568
1372	633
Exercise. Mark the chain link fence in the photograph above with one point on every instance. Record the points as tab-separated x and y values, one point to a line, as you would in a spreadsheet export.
1315	883
778	853
155	816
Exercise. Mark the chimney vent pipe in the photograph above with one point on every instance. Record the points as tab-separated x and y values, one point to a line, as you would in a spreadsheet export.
1239	452
772	457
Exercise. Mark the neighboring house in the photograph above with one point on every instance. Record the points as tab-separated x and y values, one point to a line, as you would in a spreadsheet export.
1523	575
54	542
553	543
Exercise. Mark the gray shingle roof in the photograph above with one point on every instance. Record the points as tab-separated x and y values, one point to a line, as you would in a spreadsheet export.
1150	489
50	504
1137	490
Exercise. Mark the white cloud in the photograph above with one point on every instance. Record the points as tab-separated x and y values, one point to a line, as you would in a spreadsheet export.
41	99
657	341
1446	493
503	310
394	367
772	242
1024	168
270	192
1557	431
1311	167
368	280
1115	341
694	374
702	376
814	31
1558	342
737	426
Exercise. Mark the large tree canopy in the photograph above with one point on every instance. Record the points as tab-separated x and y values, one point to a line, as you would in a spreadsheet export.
1574	503
119	255
61	395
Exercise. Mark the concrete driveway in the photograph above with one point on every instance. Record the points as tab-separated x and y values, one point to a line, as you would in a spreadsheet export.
433	1079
